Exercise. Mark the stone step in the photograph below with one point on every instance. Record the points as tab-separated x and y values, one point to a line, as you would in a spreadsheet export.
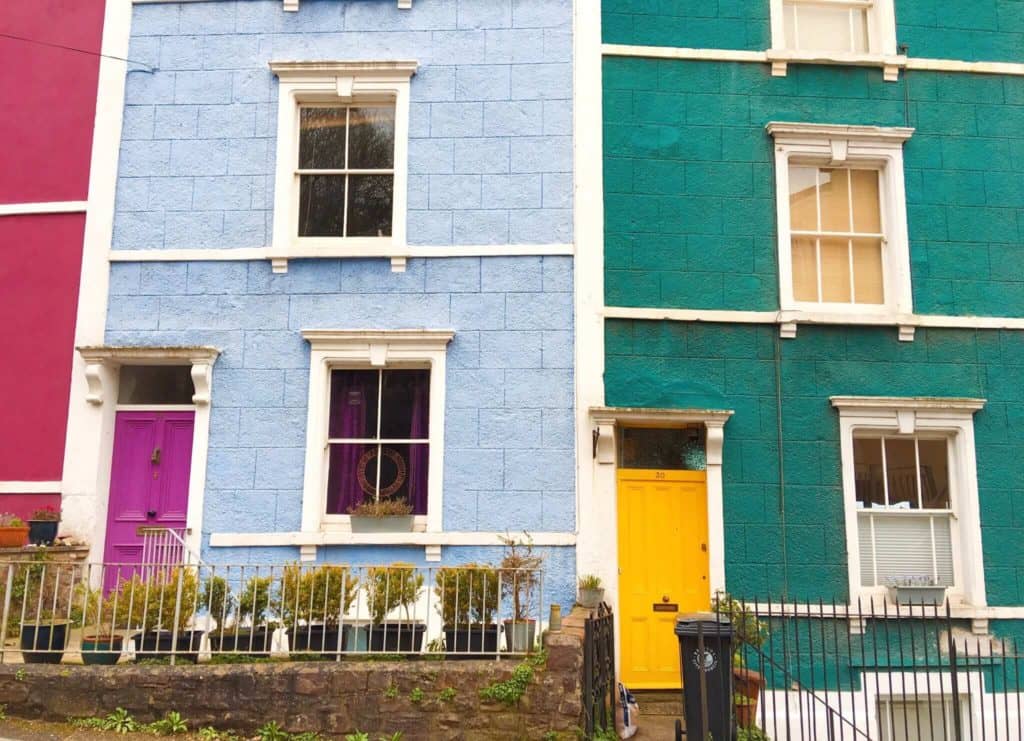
659	702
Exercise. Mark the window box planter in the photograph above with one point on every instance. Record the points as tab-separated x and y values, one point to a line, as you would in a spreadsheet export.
13	537
101	649
475	641
388	524
44	643
42	532
156	644
396	636
250	642
917	595
327	639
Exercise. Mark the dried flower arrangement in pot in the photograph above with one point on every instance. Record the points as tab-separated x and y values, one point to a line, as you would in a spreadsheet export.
42	526
381	516
13	531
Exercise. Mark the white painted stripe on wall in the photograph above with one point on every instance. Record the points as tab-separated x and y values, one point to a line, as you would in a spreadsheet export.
268	253
29	487
46	207
348	538
736	55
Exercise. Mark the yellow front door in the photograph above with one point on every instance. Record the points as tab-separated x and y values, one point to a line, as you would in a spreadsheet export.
663	569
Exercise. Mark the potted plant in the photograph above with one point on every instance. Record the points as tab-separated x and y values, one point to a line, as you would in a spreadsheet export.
381	516
100	644
591	593
312	604
46	608
149	604
468	600
13	531
42	526
389	588
916	590
747	631
520	578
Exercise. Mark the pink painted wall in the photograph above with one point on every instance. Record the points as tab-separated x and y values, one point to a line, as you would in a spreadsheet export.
47	98
47	109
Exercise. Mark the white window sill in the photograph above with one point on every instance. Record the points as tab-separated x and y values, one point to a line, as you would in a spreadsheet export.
321	247
890	63
431	541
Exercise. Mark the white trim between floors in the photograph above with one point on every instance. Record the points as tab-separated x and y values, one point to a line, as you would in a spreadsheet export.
29	487
779	57
406	251
90	430
317	539
47	207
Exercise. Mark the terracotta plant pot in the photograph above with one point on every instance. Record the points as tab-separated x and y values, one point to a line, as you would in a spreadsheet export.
13	537
748	684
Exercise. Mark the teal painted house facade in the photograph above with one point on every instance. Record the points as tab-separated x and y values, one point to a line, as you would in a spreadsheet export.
812	236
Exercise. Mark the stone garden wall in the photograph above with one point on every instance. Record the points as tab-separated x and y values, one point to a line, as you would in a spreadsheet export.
325	697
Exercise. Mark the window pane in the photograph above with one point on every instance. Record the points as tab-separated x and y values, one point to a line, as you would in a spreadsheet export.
353	410
901	471
403	474
679	449
369	205
351	476
934	474
322	138
835	270
805	269
803	198
835	200
867	466
371	139
903	547
321	205
866	216
155	384
867	271
405	405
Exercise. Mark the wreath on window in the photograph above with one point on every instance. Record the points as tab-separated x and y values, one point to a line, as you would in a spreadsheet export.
400	472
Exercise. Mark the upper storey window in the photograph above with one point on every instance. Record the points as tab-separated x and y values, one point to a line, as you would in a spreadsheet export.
342	152
842	219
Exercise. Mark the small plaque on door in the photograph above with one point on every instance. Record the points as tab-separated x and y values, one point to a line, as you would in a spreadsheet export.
665	607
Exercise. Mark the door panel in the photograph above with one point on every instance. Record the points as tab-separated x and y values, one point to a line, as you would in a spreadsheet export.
663	568
172	473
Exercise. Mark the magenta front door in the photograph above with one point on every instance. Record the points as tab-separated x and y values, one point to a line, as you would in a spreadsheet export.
148	483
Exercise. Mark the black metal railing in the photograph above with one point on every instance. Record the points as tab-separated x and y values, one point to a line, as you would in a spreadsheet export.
872	670
600	690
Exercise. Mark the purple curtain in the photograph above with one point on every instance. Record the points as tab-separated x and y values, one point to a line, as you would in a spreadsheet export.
419	453
351	393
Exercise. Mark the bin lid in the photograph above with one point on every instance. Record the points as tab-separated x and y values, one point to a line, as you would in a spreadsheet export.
709	623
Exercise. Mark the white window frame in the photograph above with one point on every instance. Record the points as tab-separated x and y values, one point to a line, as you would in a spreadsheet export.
881	29
826	145
952	418
370	349
336	84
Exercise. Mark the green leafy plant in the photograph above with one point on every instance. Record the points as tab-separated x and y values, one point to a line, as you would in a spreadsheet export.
753	733
218	599
8	519
589	581
149	604
19	676
306	736
510	691
3	712
605	734
520	574
467	594
357	736
170	725
416	696
209	733
391	587
120	721
391	692
447	694
255	599
272	732
747	629
396	736
319	595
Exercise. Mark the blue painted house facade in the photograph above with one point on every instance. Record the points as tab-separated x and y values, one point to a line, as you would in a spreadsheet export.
341	244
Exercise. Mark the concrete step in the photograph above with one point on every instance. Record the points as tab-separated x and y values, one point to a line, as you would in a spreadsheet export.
659	702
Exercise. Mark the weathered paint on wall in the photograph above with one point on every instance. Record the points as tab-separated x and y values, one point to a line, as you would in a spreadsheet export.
980	30
664	364
690	180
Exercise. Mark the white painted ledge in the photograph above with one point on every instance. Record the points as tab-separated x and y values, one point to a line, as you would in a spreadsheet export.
30	487
298	538
47	207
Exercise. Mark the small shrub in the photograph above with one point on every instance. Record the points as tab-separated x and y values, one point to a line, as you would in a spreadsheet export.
272	732
388	588
170	725
319	595
120	721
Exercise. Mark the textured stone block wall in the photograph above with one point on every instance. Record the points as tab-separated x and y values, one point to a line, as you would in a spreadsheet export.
690	181
664	364
490	148
980	30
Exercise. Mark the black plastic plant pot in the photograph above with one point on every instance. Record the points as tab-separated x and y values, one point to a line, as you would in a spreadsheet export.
395	637
321	638
471	642
101	650
252	642
42	532
156	644
43	643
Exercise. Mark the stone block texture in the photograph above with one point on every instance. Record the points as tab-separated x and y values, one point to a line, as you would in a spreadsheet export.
490	147
983	30
803	553
690	209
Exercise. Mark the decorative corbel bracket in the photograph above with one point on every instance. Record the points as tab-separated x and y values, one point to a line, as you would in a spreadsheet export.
714	440
604	441
202	369
292	6
94	382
